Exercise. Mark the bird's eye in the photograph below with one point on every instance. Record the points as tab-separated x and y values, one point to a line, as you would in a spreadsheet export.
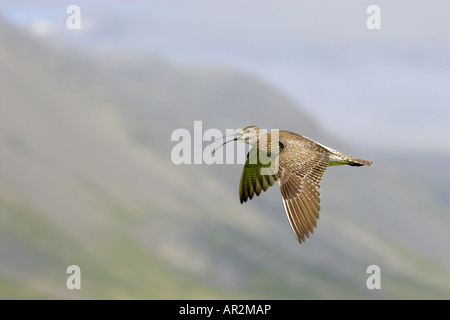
248	131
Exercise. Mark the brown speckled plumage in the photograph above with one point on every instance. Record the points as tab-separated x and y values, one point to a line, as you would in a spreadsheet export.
301	164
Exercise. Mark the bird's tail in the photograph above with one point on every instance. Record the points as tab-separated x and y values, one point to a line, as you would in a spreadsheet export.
341	159
359	163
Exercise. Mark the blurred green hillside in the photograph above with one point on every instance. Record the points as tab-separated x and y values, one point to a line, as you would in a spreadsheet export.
86	178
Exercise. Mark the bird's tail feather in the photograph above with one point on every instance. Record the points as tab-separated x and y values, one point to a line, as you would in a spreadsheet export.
341	159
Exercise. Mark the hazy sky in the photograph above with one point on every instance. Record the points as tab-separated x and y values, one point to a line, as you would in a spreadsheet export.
384	89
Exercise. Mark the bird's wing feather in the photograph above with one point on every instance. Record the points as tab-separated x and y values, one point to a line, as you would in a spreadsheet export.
252	180
300	171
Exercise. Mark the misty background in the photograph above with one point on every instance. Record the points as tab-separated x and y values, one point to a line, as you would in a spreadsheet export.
87	115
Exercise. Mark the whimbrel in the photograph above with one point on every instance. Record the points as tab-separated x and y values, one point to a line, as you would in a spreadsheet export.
299	165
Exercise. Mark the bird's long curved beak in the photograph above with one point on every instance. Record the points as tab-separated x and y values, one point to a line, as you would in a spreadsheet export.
235	136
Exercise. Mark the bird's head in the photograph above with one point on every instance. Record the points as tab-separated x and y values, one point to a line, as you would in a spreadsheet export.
248	135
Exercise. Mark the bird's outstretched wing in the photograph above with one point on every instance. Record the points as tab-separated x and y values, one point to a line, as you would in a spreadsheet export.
252	180
300	171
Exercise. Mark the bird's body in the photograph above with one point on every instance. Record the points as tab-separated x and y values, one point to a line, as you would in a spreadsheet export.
298	163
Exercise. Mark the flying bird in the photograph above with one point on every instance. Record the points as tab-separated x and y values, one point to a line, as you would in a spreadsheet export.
298	163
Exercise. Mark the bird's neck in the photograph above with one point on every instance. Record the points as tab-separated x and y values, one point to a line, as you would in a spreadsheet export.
263	142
